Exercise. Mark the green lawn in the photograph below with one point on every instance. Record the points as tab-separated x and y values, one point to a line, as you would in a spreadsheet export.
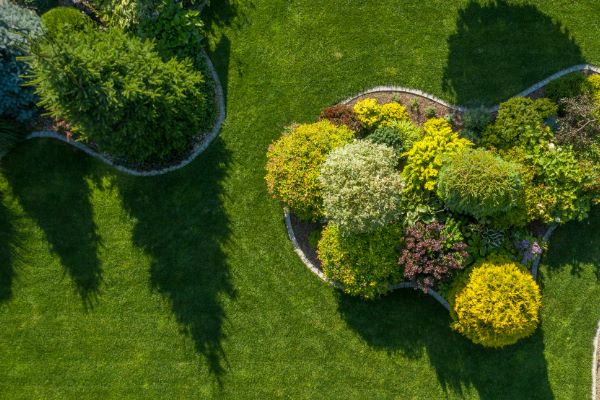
186	286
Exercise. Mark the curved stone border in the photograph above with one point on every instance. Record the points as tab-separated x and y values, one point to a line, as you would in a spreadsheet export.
321	275
459	108
198	148
595	365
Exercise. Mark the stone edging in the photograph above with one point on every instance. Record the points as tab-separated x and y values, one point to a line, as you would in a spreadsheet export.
459	108
595	365
319	273
199	148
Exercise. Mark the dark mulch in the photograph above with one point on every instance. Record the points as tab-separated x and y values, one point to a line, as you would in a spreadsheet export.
302	231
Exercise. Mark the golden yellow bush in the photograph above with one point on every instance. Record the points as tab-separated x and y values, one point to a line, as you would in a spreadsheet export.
498	305
371	115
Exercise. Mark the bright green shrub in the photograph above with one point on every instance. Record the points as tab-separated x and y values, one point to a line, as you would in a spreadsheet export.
294	163
16	26
481	184
116	92
372	115
362	191
65	18
520	123
594	88
400	135
556	192
425	158
498	305
366	264
176	30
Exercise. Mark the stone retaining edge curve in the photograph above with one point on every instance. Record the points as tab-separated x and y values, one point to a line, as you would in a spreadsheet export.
198	149
459	108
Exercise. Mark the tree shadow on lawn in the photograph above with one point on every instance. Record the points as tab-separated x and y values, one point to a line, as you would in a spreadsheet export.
500	49
576	244
9	242
181	223
411	324
49	180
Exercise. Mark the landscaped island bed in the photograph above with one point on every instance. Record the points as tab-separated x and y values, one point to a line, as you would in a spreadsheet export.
465	214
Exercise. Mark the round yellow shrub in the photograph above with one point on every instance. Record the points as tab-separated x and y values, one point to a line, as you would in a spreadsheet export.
498	305
371	115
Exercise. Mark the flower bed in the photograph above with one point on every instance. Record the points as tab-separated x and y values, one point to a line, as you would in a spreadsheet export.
460	206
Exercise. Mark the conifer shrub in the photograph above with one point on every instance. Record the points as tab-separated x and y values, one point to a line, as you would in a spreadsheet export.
116	92
17	26
364	264
400	136
57	19
426	156
498	304
362	190
294	163
478	183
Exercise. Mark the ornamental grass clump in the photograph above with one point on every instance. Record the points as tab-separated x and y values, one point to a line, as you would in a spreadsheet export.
364	264
498	304
362	190
431	253
426	156
294	163
478	183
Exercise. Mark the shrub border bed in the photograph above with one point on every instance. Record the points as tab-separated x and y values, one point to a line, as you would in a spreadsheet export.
219	102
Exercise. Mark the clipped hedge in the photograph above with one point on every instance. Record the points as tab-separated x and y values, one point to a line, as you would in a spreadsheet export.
294	164
365	264
498	304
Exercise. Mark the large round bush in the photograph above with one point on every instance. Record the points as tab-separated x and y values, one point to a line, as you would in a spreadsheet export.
117	92
361	187
294	162
17	26
481	184
498	305
365	264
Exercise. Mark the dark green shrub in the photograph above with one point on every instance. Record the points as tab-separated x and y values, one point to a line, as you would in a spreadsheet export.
476	119
568	86
65	17
17	25
11	133
366	264
41	6
116	92
481	184
520	122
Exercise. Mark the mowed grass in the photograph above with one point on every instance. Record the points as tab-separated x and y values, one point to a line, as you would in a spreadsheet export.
186	286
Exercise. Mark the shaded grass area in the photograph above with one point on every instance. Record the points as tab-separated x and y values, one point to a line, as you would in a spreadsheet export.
185	285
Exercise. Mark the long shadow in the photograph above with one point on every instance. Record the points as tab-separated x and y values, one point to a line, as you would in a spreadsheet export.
500	48
182	225
410	324
7	247
49	180
576	244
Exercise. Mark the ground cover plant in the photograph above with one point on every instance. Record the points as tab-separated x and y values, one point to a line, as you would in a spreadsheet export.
186	286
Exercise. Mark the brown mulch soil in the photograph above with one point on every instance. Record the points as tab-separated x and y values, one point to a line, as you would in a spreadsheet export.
415	105
302	231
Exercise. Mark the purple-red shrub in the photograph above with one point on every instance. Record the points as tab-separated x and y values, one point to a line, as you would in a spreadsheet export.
341	115
430	254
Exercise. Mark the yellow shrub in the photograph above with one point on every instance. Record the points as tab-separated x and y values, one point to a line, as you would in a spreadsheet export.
498	305
424	159
372	115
